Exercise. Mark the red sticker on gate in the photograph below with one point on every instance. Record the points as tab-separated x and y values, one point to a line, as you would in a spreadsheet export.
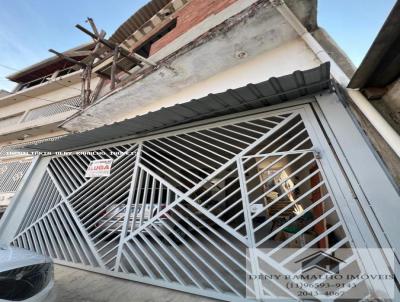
99	168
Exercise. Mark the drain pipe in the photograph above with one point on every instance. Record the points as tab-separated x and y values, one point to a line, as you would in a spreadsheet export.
369	111
376	119
321	54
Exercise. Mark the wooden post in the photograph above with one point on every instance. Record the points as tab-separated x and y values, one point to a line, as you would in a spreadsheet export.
99	85
123	52
93	26
86	75
88	78
83	80
73	61
114	68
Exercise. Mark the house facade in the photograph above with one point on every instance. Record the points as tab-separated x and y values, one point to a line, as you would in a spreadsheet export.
45	95
221	136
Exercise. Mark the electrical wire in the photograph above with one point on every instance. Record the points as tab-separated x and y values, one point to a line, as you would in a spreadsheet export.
8	67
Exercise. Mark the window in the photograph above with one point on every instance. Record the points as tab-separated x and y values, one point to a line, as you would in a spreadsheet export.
145	47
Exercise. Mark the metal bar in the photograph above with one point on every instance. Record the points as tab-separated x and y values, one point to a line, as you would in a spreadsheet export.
312	242
184	256
249	228
32	244
64	240
128	205
277	172
102	202
77	221
210	267
287	207
172	163
138	192
97	226
154	262
176	159
258	125
217	221
51	239
85	235
174	259
132	264
214	130
194	253
220	141
230	244
310	225
200	147
164	172
216	259
72	237
138	257
285	194
184	154
79	239
213	174
37	240
144	198
280	136
276	231
78	201
210	144
63	248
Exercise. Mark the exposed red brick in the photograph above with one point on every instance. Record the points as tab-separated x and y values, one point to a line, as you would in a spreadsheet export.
189	16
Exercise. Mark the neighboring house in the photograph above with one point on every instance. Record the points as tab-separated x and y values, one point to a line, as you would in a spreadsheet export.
378	78
46	94
231	136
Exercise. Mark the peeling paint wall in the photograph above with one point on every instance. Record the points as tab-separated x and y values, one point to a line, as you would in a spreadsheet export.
192	14
389	105
388	158
250	48
266	65
333	49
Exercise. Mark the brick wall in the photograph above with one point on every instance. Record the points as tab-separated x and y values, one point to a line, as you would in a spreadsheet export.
193	13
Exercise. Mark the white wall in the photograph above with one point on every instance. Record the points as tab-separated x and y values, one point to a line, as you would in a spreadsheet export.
283	60
52	92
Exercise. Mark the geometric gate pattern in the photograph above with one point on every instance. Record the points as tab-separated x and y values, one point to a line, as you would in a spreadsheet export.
185	209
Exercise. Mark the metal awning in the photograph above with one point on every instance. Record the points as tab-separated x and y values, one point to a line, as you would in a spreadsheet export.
276	90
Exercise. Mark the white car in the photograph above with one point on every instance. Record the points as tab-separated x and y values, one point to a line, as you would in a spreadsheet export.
25	276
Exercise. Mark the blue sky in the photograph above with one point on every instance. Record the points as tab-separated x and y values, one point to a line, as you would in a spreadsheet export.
28	28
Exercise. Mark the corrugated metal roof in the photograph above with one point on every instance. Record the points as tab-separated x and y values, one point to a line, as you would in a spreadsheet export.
137	20
35	71
270	92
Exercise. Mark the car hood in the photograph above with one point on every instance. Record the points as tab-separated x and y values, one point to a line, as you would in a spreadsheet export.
13	257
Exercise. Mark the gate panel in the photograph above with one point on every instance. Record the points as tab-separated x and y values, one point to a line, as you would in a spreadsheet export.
194	211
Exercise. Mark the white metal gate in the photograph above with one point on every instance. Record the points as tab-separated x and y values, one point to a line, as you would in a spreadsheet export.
186	210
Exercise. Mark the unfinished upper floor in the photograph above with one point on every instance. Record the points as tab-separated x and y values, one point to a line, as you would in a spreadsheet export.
168	52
